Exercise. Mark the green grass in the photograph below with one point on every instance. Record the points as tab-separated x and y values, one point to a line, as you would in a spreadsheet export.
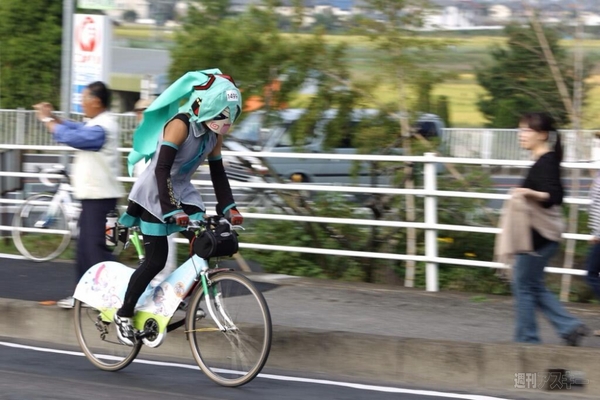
142	32
127	257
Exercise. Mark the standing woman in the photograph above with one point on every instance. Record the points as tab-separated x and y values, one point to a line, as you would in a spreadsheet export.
543	192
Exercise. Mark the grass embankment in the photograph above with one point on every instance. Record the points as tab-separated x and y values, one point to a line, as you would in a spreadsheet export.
459	56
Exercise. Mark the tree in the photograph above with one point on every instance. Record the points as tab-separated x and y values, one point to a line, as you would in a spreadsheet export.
424	83
250	48
442	109
30	52
400	58
519	78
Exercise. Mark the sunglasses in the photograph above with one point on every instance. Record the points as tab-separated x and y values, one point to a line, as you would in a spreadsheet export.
221	116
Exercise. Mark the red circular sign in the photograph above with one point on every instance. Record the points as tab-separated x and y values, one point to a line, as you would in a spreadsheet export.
87	34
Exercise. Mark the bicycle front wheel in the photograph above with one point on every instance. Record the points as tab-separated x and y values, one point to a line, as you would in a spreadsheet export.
52	235
99	342
235	352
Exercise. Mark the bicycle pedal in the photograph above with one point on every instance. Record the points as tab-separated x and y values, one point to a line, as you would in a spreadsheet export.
42	224
139	335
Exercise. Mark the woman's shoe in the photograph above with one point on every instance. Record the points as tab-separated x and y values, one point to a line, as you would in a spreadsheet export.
574	338
124	330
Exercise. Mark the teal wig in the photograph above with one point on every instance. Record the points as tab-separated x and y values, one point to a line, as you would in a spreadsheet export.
208	93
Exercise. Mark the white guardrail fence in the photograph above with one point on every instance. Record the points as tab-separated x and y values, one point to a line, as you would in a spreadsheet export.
21	127
430	193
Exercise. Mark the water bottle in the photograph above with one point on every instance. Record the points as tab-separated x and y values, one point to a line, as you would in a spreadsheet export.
111	228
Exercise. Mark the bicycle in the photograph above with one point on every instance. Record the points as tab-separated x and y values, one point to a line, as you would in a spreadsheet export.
45	223
230	342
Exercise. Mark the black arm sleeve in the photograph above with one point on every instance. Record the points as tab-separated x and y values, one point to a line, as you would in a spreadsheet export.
221	185
166	157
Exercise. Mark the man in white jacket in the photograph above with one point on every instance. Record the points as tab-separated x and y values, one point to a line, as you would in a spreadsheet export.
94	176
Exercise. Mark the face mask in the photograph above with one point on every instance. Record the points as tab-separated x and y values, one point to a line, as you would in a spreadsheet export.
220	124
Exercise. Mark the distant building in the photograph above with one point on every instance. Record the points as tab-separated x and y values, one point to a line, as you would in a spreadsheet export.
590	18
450	17
140	7
499	13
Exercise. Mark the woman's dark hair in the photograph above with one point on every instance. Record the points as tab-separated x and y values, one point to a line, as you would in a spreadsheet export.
100	90
543	122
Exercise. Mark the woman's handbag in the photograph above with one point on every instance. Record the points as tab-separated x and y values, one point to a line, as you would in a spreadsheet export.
219	241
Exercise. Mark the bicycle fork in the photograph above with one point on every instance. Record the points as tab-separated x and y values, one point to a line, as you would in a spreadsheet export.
218	304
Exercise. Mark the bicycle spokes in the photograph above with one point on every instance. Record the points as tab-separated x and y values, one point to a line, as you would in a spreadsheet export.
98	340
41	228
232	343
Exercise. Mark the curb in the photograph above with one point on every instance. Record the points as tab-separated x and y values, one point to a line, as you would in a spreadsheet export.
386	359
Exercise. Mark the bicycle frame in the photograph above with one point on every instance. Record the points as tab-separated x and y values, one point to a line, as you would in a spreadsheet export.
63	196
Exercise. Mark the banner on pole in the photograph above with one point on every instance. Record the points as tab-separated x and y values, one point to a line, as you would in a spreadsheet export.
91	54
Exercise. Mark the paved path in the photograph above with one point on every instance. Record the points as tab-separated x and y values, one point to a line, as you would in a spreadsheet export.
338	306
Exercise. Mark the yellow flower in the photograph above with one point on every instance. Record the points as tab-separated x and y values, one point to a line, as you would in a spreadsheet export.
470	255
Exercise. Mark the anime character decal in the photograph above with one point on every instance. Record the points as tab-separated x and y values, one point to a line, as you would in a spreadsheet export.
103	287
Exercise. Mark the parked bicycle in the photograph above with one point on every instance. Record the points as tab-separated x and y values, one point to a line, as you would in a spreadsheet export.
227	320
45	223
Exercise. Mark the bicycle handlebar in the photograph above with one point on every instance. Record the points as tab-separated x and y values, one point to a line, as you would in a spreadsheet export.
55	169
212	220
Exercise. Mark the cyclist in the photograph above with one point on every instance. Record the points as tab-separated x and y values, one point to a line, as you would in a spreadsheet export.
177	140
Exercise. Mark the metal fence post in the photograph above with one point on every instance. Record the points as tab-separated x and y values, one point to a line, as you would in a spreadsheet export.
20	127
16	157
431	245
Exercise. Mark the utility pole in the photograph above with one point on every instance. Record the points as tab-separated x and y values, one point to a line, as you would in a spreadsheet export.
65	65
576	144
66	57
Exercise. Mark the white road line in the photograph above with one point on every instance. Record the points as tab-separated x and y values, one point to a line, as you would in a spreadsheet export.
372	388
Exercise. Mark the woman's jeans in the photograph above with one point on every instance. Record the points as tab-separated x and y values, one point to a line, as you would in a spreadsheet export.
593	269
530	292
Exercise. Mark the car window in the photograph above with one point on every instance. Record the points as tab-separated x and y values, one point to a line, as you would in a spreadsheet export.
249	130
285	139
427	129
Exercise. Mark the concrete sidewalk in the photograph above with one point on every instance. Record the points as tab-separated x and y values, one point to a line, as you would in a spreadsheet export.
364	331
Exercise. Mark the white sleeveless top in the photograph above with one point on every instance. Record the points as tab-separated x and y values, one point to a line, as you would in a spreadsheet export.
191	153
95	173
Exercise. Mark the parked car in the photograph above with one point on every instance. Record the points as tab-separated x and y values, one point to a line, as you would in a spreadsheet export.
275	135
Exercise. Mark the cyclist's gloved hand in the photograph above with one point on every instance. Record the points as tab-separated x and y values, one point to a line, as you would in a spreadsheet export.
181	219
234	216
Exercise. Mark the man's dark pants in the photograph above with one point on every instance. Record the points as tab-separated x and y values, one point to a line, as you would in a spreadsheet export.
593	268
91	244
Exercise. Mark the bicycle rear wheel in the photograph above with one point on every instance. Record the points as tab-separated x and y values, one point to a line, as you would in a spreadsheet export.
98	340
36	212
236	355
